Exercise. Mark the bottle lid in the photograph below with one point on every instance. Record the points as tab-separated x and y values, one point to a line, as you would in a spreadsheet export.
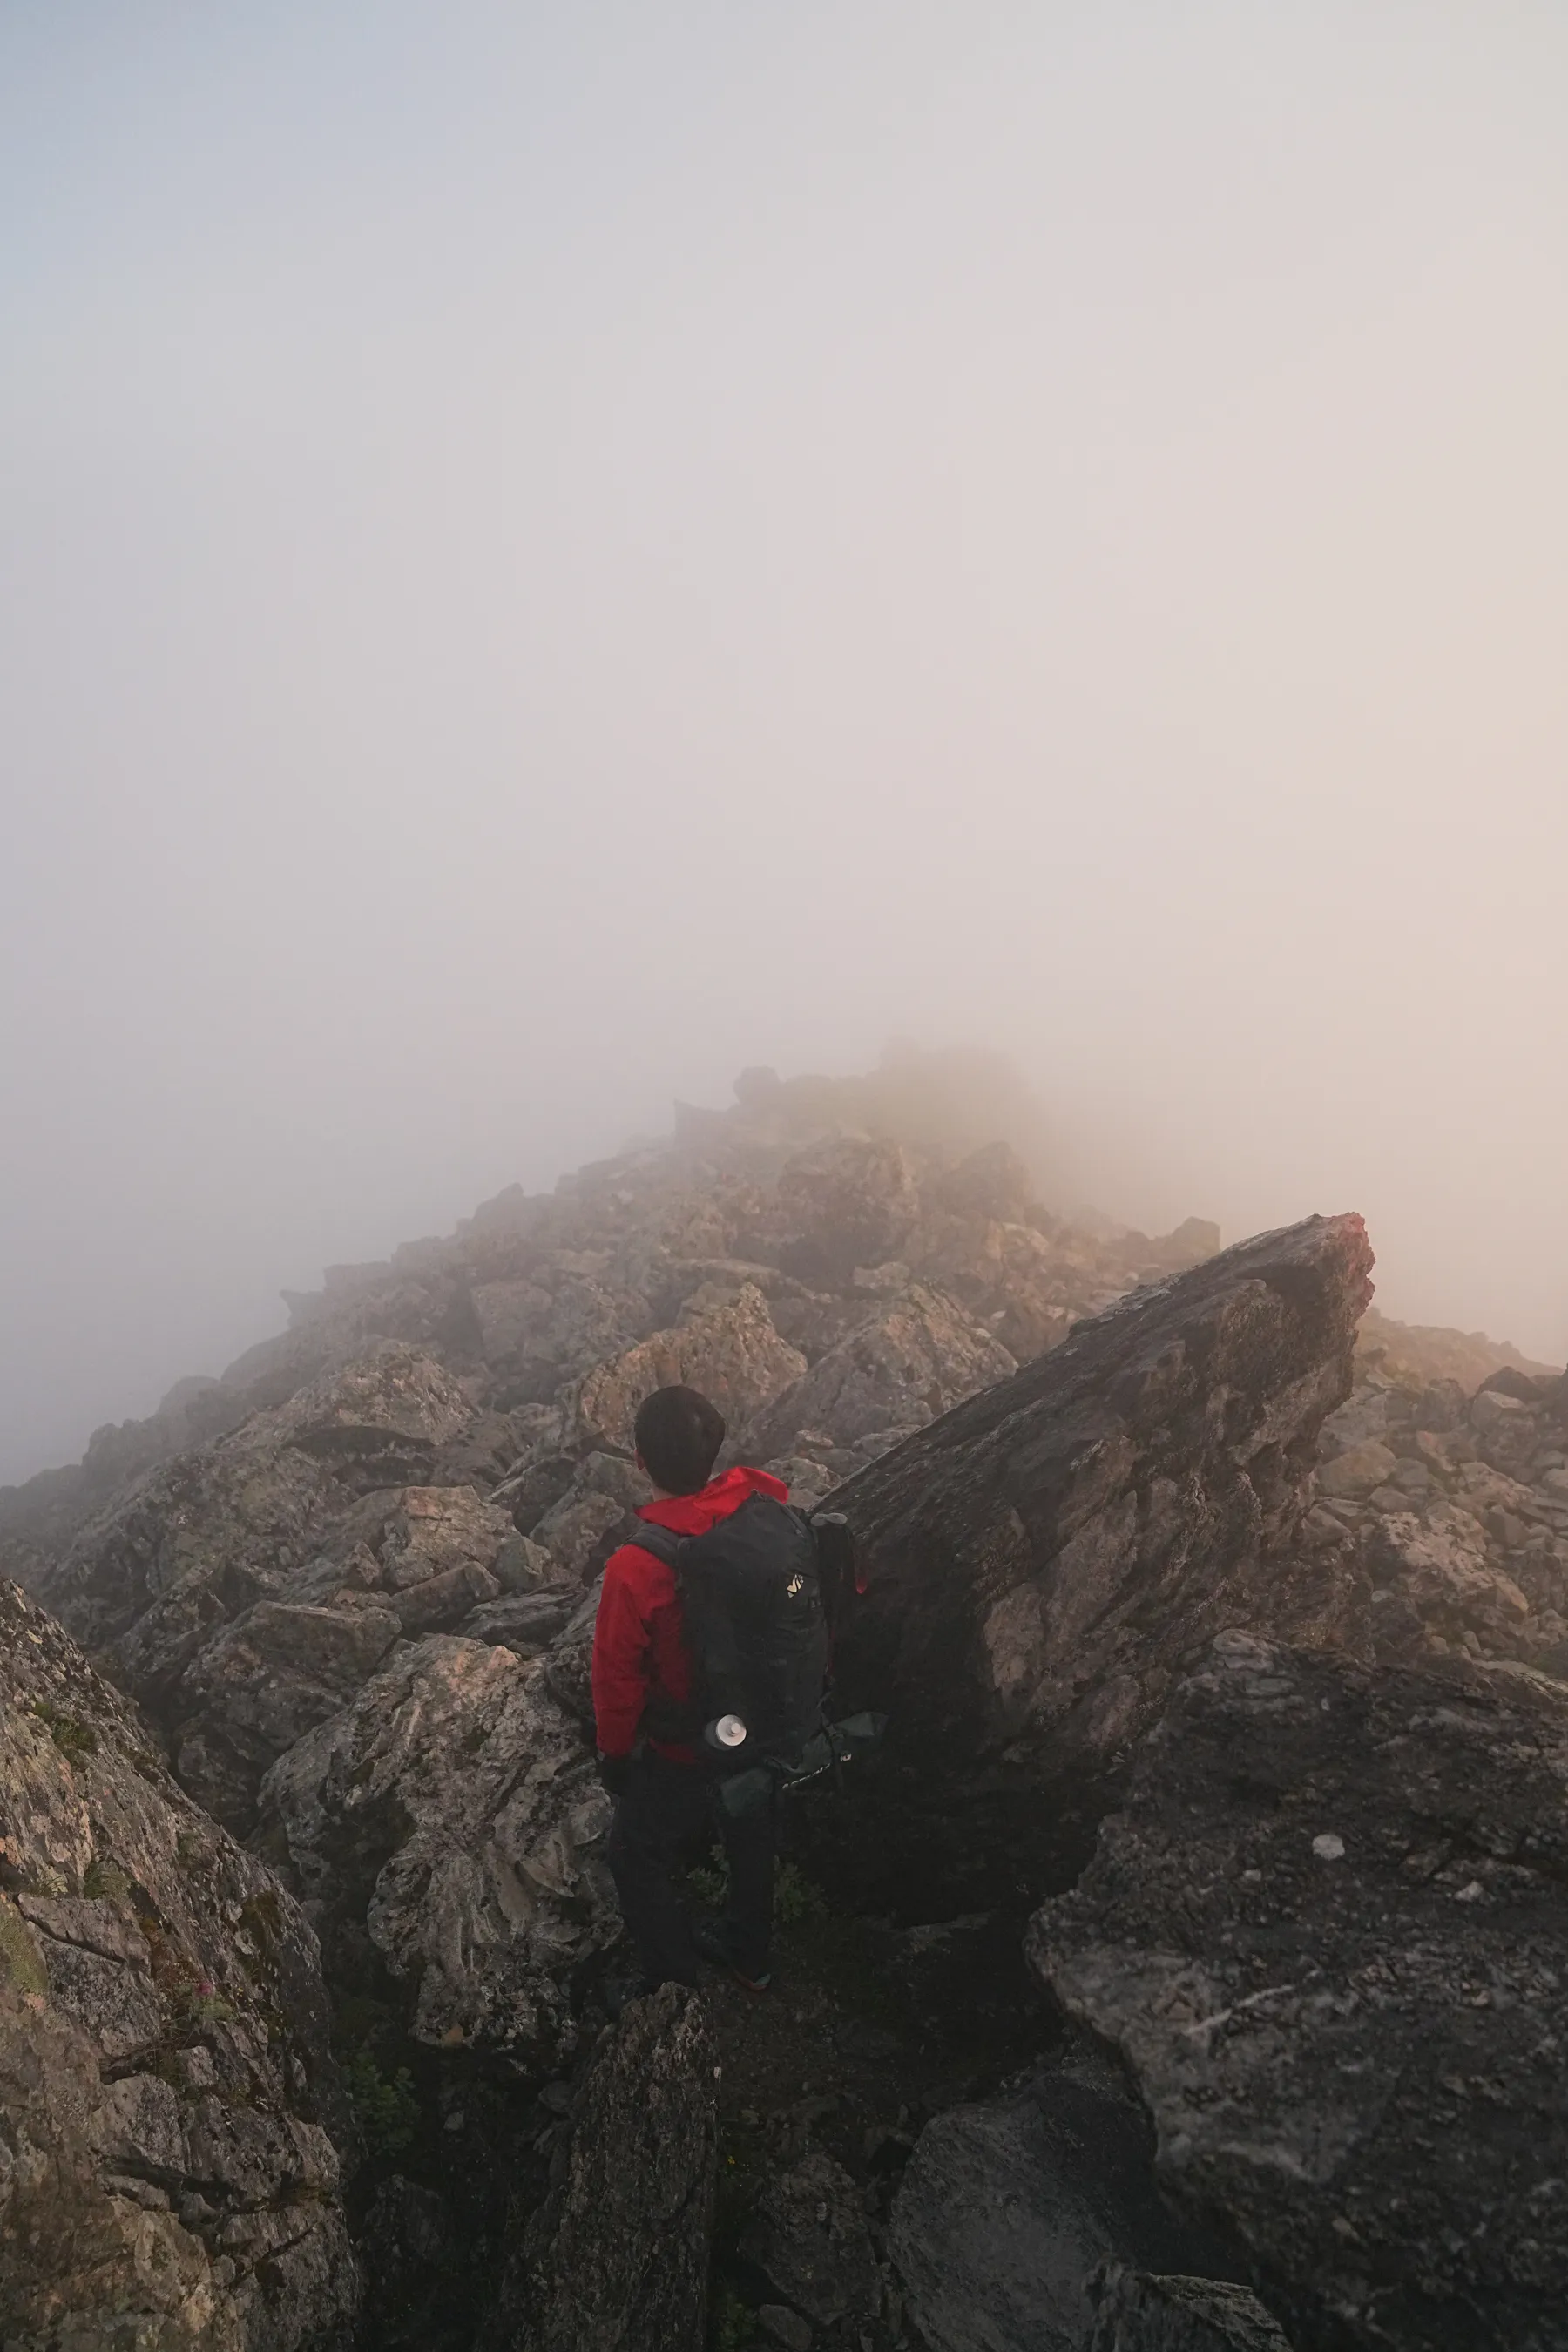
729	1732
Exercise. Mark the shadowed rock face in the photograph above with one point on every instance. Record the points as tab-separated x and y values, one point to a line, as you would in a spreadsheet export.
1046	1560
1007	2210
617	2257
1063	1523
168	2174
1327	1935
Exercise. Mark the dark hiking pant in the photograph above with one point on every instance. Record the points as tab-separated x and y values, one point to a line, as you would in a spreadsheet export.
664	1816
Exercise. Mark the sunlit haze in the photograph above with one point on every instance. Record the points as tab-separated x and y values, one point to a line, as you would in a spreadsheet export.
547	554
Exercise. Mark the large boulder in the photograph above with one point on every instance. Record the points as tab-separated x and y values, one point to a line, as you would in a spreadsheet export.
617	2256
1327	1935
914	1359
1045	1562
1135	2312
168	2109
728	1350
1007	2209
452	1817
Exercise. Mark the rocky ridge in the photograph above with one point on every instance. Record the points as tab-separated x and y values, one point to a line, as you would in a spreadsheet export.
350	1586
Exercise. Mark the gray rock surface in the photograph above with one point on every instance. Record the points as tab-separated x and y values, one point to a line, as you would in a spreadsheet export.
1464	1538
168	2101
453	1813
1137	2313
617	2257
245	1592
1005	2210
808	2237
1327	1935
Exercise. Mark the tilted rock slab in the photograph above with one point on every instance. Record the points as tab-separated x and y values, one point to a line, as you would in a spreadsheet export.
617	2257
1046	1560
453	1812
1329	1935
168	2176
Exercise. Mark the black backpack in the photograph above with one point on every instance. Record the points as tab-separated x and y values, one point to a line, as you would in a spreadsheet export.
758	1594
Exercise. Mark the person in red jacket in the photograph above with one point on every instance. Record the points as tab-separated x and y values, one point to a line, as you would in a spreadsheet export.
641	1691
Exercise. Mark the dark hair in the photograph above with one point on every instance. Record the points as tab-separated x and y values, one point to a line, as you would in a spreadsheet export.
679	1435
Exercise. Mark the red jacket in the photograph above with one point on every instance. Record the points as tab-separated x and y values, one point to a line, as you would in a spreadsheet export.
639	1642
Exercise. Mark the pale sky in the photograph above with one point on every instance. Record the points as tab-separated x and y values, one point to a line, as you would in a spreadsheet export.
549	554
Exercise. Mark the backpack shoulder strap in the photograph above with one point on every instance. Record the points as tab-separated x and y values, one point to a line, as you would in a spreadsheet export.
663	1542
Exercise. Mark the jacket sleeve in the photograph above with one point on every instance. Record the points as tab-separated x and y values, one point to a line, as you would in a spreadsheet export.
620	1673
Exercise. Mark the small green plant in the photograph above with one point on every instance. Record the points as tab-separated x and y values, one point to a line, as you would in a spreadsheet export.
70	1734
711	1885
731	2325
190	1847
796	1898
105	1878
204	2005
385	2106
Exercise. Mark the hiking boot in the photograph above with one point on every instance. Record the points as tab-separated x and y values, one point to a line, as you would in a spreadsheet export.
714	1945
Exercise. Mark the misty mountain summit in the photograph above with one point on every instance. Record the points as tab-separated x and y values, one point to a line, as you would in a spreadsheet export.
1184	1969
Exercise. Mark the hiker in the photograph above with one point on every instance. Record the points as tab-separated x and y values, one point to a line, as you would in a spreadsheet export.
716	1607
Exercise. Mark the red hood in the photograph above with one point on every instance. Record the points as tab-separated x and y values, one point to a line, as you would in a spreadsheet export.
693	1515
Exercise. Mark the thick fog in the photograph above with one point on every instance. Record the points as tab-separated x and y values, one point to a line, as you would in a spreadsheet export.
549	554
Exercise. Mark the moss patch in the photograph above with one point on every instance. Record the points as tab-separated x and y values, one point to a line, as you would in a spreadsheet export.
70	1734
21	1962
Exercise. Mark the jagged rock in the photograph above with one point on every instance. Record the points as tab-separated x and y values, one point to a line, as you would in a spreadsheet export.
1442	1575
617	2258
1136	2312
452	1813
525	1622
1506	1430
1327	1934
260	1685
993	1182
808	2237
732	1353
406	2243
428	1531
168	2175
914	1360
1045	1560
777	2323
581	1531
1006	2209
852	1203
1025	1285
568	1664
232	1523
1358	1472
529	1492
249	1588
